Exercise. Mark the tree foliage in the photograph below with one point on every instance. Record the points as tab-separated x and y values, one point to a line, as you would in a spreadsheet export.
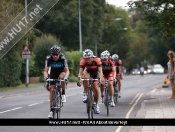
158	14
42	49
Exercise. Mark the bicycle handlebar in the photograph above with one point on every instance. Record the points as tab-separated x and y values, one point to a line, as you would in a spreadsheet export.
87	79
55	80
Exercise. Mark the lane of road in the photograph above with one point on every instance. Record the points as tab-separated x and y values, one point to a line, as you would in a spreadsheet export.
35	103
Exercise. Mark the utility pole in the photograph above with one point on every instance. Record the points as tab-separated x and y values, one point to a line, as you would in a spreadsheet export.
27	59
80	33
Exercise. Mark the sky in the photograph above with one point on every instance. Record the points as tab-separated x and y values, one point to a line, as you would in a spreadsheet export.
119	3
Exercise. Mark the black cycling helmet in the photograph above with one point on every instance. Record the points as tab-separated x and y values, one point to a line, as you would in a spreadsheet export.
55	49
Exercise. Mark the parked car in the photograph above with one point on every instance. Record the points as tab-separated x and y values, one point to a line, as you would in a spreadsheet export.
158	69
135	72
150	70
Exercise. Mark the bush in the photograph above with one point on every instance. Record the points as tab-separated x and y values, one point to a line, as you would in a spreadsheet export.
73	58
42	49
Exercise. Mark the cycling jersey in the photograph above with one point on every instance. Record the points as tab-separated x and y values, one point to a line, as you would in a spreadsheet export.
107	68
56	67
91	68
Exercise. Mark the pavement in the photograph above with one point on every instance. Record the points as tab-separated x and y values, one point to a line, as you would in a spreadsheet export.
156	104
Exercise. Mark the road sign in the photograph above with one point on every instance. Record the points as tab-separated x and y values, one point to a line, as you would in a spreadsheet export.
26	52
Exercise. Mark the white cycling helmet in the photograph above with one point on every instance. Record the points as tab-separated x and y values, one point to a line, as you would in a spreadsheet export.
104	55
115	57
87	53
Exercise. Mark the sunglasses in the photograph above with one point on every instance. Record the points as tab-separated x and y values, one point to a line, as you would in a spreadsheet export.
55	54
170	54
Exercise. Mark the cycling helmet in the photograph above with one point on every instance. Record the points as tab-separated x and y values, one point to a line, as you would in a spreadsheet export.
115	57
104	55
87	53
55	49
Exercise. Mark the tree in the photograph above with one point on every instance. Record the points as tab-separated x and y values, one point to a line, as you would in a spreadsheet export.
158	14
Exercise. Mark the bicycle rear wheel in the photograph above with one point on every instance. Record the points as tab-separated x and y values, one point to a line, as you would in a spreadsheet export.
90	105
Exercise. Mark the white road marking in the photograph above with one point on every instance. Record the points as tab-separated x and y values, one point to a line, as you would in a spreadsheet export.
35	104
10	110
153	91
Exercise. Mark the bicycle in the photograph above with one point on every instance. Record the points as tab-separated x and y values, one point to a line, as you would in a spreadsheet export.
90	97
115	92
56	102
106	99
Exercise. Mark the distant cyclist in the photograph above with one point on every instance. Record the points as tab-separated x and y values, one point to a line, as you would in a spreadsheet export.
119	77
90	65
109	72
59	68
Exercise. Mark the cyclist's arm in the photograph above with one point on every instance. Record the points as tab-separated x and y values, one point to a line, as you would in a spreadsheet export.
66	69
120	70
80	72
120	67
100	72
81	68
46	71
114	71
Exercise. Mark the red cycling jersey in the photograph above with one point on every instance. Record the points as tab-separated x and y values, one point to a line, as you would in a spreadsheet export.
107	68
91	67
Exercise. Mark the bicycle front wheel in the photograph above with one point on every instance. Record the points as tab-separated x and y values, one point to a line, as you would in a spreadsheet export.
59	103
90	105
107	101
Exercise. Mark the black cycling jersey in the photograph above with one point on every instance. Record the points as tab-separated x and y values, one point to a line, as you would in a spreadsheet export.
56	66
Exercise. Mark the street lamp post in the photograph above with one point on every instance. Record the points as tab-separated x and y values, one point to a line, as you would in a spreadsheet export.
80	34
27	60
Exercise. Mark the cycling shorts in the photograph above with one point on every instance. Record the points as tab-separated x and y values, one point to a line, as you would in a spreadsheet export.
54	75
111	74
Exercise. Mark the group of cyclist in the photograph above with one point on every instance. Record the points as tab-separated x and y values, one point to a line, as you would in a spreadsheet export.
103	67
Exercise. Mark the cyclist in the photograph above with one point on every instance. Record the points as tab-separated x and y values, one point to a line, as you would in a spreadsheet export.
59	68
118	64
90	65
109	72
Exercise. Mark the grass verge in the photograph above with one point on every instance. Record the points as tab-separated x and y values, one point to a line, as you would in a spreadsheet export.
31	85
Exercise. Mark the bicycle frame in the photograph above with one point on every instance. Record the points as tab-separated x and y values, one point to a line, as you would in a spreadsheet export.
90	97
56	102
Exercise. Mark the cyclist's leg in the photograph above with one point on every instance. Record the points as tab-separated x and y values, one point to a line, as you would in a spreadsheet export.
52	87
85	85
111	90
96	92
63	86
119	86
102	88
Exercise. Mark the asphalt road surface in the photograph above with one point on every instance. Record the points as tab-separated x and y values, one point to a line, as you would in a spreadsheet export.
34	103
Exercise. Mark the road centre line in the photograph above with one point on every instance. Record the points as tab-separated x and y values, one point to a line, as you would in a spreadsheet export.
127	115
10	110
134	99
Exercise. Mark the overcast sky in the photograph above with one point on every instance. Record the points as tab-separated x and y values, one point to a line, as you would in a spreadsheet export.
119	3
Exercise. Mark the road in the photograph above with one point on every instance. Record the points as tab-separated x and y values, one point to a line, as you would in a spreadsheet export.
34	103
